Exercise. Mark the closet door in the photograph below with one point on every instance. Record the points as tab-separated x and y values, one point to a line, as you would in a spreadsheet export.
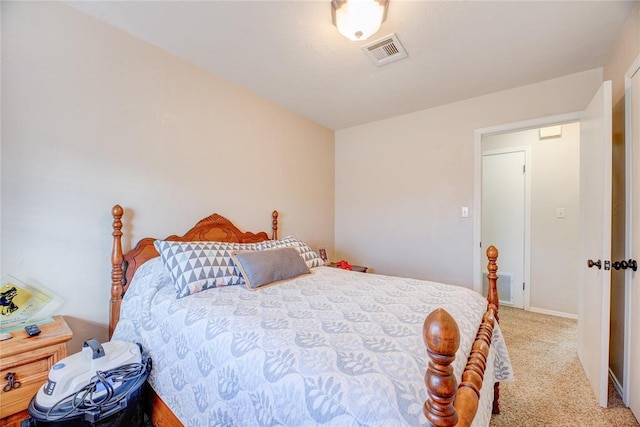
504	205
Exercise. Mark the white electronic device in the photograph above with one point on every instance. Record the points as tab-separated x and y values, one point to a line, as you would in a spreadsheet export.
76	371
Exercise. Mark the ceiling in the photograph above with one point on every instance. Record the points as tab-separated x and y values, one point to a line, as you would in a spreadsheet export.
290	53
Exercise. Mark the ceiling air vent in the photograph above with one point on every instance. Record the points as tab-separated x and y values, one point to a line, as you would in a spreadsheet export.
385	50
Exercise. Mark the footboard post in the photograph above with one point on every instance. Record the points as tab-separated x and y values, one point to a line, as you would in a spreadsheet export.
492	298
442	337
492	277
116	269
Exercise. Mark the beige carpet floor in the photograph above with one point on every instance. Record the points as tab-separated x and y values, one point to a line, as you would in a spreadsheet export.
550	387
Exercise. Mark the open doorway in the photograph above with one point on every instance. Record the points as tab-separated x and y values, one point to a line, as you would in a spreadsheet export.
618	157
540	231
548	257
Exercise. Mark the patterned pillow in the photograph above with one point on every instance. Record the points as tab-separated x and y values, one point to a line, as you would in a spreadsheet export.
196	266
268	267
310	257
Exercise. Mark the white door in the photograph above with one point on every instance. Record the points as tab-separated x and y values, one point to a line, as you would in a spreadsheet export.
633	232
503	218
595	223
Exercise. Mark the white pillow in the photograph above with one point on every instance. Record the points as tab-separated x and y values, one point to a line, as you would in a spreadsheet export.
310	257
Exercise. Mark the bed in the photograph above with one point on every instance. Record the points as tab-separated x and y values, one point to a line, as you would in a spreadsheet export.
321	346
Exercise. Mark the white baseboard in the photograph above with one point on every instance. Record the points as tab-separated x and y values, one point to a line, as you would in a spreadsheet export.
554	313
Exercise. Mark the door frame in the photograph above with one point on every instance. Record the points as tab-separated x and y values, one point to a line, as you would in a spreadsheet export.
635	68
526	250
477	189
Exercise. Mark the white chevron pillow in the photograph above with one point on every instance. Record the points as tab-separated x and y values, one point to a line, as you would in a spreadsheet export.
310	257
196	266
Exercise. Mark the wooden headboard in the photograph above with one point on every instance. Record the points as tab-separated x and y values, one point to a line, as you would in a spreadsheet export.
215	228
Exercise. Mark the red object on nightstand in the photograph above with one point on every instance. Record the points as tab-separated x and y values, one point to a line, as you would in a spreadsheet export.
344	265
357	268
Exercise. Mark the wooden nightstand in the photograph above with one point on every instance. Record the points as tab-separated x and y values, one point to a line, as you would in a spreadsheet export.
29	359
359	268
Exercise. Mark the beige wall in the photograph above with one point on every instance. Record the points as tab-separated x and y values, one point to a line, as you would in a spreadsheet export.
400	183
624	52
555	242
92	117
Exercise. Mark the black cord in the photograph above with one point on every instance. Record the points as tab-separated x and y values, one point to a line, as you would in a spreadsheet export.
85	400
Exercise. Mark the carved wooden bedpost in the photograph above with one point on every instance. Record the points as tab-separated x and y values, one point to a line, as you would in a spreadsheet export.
274	225
447	403
442	337
492	267
492	297
116	268
468	395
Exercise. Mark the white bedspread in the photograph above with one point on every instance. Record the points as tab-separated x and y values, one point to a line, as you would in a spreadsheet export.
334	347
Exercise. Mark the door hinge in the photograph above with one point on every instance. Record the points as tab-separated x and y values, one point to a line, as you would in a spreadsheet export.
524	168
523	286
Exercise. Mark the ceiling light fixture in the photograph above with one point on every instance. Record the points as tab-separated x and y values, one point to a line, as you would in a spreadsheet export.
358	19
